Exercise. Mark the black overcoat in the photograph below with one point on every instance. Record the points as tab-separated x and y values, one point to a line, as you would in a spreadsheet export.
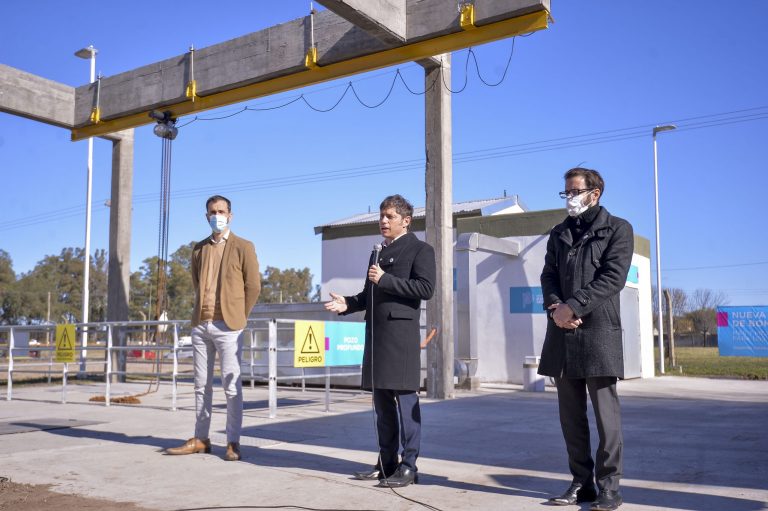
392	355
588	274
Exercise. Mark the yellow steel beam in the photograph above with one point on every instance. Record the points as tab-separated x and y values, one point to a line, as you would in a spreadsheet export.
407	53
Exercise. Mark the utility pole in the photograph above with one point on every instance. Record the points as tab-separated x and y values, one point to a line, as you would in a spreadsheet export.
48	320
668	299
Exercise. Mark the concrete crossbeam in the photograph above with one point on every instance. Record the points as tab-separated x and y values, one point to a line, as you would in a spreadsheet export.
272	60
36	98
383	19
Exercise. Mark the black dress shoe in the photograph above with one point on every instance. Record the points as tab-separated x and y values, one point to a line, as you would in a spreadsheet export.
575	494
608	500
371	473
402	477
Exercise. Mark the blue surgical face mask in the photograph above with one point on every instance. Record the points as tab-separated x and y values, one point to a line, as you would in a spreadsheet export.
218	223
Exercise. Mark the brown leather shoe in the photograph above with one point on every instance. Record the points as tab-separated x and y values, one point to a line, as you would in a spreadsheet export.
191	446
233	452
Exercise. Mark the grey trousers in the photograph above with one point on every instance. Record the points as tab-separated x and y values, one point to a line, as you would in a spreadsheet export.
572	399
208	339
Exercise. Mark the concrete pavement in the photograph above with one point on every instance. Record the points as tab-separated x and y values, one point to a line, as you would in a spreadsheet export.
690	444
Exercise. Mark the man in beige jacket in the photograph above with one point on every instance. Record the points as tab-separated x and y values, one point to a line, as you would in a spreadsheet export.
225	274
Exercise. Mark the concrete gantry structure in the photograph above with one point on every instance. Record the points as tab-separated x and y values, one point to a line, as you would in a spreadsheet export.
275	59
50	102
383	19
36	98
352	36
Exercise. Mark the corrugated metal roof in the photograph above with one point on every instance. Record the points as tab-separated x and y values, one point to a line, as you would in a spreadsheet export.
482	207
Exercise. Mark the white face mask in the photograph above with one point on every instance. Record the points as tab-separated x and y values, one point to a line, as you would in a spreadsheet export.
575	206
218	223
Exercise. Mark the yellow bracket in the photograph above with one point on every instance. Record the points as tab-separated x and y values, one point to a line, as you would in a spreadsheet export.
192	89
467	17
96	115
310	60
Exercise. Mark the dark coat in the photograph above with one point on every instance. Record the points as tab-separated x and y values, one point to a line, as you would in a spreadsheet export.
392	333
588	275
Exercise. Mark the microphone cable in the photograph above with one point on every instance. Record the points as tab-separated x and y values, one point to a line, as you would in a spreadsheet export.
377	251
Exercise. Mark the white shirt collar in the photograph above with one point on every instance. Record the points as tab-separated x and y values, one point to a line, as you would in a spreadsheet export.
224	237
387	243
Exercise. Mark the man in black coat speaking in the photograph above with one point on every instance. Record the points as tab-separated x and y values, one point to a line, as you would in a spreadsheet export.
588	258
400	276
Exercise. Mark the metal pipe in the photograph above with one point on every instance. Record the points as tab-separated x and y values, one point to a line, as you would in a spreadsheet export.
87	250
175	366
108	372
327	389
272	369
11	345
253	357
64	373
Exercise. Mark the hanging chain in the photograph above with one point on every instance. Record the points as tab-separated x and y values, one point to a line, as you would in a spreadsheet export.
162	303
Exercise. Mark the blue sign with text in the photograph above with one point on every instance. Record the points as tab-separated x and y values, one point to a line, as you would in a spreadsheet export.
344	343
742	331
526	300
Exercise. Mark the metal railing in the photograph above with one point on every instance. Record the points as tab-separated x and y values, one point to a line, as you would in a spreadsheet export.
122	328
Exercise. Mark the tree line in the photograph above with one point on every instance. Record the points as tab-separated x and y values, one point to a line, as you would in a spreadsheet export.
52	290
691	313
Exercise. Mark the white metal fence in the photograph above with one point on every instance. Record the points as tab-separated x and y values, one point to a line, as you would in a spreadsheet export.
270	336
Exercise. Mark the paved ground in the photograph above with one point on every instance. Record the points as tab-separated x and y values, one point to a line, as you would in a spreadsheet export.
690	444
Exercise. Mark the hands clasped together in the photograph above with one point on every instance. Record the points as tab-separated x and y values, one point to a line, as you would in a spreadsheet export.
564	316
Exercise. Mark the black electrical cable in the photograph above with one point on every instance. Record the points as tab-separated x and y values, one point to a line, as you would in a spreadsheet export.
350	85
323	111
506	68
386	97
426	89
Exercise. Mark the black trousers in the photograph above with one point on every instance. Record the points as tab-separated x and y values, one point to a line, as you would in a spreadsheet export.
398	422
572	399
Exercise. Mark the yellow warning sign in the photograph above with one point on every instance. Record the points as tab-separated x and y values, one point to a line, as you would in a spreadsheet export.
65	343
309	344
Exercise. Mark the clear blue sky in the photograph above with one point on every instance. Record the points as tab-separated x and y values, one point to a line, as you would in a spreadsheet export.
602	67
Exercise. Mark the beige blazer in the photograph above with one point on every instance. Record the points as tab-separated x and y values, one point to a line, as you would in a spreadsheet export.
239	281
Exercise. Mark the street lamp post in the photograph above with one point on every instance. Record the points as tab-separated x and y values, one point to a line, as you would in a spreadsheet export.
658	129
88	53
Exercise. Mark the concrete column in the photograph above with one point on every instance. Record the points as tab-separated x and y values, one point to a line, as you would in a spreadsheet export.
466	306
118	277
439	219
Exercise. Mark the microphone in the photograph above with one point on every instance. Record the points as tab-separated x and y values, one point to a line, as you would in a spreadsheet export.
376	252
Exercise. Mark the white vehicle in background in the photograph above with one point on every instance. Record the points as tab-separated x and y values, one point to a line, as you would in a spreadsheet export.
185	347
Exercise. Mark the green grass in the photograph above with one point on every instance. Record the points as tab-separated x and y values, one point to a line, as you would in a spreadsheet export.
707	362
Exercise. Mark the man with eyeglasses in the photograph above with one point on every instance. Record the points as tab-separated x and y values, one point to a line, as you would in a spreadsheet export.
588	258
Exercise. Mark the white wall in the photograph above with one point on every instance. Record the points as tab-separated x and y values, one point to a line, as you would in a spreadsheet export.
345	264
504	339
646	314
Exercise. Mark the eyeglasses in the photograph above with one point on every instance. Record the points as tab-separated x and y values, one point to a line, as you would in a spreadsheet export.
567	194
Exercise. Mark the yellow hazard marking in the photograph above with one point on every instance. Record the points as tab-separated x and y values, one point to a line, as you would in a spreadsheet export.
309	344
65	343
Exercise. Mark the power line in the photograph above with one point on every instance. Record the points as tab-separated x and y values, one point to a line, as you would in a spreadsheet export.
506	151
737	265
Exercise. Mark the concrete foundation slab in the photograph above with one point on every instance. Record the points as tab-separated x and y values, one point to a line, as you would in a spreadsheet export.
690	444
